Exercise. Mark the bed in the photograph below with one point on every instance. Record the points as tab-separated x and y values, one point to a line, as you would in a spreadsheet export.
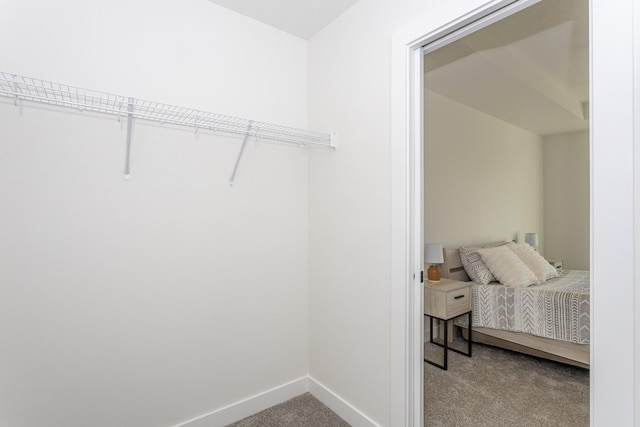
549	319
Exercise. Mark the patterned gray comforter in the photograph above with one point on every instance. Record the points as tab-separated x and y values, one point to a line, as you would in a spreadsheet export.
557	309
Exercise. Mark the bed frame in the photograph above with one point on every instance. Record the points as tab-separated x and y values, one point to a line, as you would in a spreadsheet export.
559	351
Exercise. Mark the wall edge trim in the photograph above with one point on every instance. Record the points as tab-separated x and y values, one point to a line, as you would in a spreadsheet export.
266	399
249	406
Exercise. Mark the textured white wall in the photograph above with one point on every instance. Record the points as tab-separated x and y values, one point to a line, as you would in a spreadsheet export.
149	302
566	199
483	177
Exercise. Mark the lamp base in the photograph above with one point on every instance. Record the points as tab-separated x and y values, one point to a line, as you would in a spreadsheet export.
433	274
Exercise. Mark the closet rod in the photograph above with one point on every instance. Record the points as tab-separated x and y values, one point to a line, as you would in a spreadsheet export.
62	95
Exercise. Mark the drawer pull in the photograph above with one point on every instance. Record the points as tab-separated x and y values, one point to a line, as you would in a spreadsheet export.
458	297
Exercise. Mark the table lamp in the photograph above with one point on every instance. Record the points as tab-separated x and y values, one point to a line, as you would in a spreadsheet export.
531	239
433	255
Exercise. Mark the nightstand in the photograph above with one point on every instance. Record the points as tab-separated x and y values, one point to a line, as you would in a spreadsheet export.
557	263
446	301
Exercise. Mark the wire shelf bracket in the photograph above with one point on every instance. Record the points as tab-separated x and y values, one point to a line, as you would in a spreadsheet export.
127	158
232	180
30	89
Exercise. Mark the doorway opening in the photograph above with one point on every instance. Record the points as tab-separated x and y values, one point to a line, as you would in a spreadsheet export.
613	245
506	139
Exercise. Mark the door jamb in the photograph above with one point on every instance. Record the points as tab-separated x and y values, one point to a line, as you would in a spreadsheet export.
407	370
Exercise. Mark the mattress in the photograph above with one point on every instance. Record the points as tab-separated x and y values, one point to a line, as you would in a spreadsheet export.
558	308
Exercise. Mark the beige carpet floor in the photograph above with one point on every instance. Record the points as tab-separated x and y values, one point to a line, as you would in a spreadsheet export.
494	388
501	388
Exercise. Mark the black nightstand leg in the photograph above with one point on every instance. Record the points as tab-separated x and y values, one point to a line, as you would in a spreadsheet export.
430	329
469	339
446	344
470	333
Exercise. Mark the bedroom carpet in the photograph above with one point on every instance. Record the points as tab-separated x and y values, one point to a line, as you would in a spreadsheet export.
501	388
495	388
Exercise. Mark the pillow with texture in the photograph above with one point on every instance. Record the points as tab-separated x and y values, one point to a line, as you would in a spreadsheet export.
507	267
474	266
536	263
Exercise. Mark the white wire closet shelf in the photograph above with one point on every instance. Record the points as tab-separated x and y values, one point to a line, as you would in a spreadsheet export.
62	95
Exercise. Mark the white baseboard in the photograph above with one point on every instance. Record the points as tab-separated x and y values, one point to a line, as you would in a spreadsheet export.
252	405
340	406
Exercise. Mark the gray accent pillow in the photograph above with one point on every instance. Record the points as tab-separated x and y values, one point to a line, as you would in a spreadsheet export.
474	266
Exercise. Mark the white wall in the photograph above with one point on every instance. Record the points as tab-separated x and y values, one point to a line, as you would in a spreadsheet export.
483	179
484	183
566	199
149	302
350	198
613	248
198	55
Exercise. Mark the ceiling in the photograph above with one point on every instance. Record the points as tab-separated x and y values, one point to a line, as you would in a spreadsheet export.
302	18
530	69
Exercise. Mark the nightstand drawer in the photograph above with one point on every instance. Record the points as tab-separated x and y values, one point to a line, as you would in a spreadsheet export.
458	302
447	299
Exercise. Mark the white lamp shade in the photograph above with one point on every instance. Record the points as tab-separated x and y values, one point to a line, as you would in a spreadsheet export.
531	239
433	253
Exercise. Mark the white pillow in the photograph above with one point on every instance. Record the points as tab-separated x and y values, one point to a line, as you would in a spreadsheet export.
507	267
536	263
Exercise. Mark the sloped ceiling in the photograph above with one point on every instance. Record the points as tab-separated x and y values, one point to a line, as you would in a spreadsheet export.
530	69
302	18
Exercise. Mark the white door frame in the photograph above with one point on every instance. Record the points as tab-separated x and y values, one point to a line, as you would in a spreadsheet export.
407	203
613	381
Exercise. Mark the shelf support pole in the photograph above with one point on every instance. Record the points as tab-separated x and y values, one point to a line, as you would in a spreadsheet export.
333	141
244	143
15	89
127	170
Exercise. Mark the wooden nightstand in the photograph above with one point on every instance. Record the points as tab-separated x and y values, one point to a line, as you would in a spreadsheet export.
446	301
